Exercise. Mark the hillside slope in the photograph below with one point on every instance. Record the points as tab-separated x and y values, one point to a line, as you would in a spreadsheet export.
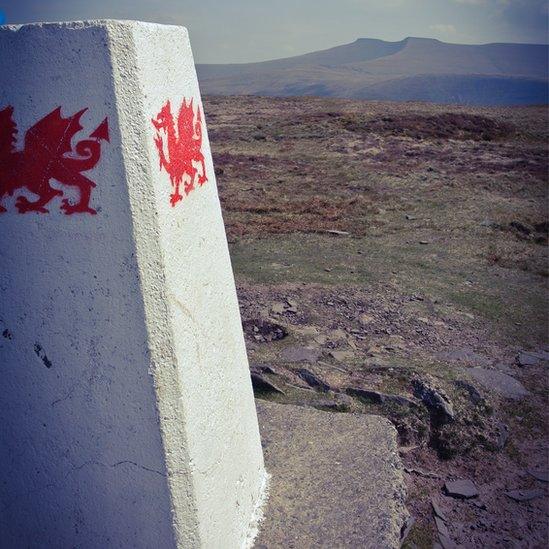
412	69
383	247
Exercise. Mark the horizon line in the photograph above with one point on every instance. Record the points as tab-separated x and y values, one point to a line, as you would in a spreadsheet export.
379	40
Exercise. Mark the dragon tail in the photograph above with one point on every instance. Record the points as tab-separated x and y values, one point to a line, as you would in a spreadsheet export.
89	150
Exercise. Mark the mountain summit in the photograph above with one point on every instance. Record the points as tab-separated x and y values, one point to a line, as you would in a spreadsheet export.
421	69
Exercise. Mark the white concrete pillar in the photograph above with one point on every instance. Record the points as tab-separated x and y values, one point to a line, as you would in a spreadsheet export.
128	417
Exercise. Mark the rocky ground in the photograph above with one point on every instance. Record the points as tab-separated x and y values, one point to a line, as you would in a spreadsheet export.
391	259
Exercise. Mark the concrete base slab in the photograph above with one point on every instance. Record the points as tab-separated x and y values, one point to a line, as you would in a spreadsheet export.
336	479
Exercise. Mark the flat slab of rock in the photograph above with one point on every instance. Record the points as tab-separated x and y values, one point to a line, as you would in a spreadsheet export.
437	510
376	397
532	358
337	480
446	542
525	495
436	401
441	527
539	474
499	382
313	379
341	356
262	384
465	356
301	354
463	488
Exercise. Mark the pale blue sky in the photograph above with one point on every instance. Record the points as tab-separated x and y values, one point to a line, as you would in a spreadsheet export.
253	30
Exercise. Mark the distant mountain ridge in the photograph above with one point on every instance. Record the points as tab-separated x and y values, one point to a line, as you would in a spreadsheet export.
413	69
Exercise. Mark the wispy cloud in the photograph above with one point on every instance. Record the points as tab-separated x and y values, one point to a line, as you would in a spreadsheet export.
369	4
252	30
495	2
443	28
472	2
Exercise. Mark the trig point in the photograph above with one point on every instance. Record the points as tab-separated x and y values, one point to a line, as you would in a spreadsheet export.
128	417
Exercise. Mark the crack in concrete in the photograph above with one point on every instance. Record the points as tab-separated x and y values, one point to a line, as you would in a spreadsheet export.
125	461
140	467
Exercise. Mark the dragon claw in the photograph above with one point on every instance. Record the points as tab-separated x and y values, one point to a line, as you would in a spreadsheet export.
175	198
70	209
24	205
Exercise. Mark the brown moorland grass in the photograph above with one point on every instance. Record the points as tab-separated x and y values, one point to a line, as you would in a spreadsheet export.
444	268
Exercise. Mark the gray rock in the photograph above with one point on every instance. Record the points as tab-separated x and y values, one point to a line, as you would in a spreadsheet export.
301	354
262	384
446	542
435	401
538	474
328	405
502	435
465	355
499	382
438	511
326	491
526	359
365	394
341	356
474	396
376	397
264	330
462	488
525	495
312	379
506	368
263	369
441	527
278	308
532	358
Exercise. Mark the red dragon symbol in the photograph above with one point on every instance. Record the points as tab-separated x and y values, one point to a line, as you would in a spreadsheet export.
48	155
184	147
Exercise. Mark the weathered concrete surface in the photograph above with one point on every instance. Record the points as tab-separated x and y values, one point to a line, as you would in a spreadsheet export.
128	417
336	479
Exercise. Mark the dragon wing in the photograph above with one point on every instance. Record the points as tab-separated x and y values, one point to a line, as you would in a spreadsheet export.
185	121
8	131
53	133
198	126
